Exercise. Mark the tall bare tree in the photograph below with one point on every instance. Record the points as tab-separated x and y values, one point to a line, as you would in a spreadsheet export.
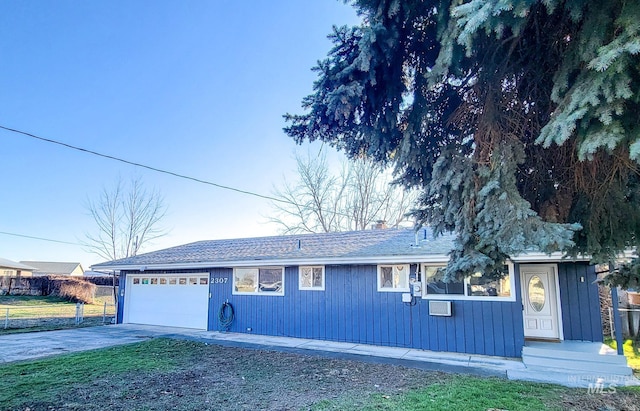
357	196
127	217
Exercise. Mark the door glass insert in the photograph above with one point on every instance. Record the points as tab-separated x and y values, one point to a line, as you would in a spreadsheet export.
537	294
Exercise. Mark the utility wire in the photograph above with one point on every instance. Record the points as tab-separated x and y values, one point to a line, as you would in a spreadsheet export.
159	170
133	163
38	238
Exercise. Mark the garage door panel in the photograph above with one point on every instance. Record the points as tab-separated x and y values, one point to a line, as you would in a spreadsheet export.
168	300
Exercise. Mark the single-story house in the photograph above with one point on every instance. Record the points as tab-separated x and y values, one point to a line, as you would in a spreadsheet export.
55	268
373	287
10	268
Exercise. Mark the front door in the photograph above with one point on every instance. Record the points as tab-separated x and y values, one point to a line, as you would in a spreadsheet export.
540	301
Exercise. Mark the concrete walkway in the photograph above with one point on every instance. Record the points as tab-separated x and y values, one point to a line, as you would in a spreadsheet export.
26	346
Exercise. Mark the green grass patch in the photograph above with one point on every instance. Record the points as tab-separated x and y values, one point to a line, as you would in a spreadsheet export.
461	393
29	300
44	380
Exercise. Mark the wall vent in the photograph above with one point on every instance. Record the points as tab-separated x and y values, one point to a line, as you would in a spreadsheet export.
440	308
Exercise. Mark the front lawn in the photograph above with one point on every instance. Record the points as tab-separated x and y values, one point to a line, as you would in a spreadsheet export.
172	374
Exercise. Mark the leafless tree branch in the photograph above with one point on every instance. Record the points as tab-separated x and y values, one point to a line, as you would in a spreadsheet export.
358	196
127	217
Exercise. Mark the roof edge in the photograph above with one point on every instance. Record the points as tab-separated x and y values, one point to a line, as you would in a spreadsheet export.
440	258
394	259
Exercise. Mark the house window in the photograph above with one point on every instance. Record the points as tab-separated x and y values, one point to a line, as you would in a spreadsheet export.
311	278
476	286
265	281
393	278
433	285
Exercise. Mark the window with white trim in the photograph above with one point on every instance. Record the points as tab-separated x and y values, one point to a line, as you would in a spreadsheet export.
311	278
393	277
261	280
476	286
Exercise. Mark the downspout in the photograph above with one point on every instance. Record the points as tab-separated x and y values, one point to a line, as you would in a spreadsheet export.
617	321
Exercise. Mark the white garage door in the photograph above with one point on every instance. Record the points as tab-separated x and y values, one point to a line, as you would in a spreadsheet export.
170	299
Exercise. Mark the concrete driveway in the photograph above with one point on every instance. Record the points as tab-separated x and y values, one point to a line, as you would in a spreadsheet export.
27	346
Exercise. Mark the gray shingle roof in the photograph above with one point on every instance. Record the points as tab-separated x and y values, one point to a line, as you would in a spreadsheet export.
53	268
4	263
352	245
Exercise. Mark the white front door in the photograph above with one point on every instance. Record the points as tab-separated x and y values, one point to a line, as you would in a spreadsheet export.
540	301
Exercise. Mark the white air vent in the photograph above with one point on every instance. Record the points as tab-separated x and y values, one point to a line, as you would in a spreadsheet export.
440	308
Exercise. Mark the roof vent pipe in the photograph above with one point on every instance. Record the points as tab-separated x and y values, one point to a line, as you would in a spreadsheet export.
299	244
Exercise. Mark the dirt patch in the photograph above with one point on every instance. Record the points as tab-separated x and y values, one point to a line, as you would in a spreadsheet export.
240	379
609	401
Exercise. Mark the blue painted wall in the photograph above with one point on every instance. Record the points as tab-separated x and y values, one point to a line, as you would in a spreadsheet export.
352	310
581	318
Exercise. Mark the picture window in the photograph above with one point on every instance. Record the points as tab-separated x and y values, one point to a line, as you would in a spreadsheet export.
476	285
266	281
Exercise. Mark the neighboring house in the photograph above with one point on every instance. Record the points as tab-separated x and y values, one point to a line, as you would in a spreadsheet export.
55	268
89	273
10	268
373	287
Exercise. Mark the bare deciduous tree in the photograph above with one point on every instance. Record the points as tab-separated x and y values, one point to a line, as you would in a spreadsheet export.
358	196
127	217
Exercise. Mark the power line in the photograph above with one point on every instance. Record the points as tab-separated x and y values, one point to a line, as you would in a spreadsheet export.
38	238
133	163
159	170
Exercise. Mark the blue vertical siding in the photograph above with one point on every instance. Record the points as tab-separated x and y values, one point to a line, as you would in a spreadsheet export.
580	302
352	310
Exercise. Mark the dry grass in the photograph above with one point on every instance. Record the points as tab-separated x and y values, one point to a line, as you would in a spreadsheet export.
47	313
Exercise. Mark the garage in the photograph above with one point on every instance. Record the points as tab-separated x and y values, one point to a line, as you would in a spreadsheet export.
175	300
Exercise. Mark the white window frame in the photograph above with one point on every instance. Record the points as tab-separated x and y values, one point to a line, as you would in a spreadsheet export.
512	284
312	288
257	290
403	288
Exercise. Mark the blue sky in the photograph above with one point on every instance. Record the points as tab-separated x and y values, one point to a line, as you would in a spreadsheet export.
195	87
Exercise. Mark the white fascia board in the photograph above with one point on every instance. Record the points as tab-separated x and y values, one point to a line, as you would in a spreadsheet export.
563	258
547	258
283	262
